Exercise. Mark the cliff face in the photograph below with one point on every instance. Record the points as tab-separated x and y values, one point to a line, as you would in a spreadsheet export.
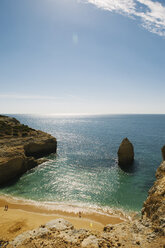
154	207
62	234
20	146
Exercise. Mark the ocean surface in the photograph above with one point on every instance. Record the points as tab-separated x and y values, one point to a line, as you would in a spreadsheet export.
85	171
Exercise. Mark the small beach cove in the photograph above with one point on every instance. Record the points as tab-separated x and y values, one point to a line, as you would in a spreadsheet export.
85	170
23	215
79	187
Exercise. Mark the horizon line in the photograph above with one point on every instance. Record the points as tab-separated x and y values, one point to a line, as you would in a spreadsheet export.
80	114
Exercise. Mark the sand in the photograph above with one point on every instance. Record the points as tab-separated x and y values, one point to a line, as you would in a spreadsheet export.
22	216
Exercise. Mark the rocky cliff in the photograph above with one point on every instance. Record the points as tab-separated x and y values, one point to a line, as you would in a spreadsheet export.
20	148
154	207
62	234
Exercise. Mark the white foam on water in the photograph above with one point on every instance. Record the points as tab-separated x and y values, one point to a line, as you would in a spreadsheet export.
68	207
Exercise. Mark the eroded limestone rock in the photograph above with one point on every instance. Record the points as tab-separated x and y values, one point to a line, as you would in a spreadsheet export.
73	235
125	153
90	242
59	225
108	228
154	207
41	148
20	146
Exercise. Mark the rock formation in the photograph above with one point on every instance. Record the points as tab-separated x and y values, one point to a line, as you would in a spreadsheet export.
163	153
20	146
125	153
62	234
153	210
154	207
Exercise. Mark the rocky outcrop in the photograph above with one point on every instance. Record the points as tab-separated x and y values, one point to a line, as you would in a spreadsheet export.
154	207
163	153
125	153
14	167
40	148
62	234
20	148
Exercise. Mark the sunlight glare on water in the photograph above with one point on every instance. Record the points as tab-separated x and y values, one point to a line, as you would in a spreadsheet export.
85	170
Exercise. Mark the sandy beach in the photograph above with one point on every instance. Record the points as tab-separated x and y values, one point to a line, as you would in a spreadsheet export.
22	216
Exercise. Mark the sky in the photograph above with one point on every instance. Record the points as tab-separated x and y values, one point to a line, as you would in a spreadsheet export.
82	56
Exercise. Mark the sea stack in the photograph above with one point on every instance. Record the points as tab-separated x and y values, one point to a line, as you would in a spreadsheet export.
163	153
125	153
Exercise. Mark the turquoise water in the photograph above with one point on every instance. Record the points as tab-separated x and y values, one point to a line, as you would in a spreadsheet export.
85	171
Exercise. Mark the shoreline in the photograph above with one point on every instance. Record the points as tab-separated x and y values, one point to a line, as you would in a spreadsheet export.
22	216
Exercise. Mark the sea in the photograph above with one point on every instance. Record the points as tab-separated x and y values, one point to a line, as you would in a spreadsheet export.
85	171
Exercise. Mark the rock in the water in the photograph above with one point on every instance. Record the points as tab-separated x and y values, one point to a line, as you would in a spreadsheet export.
125	153
163	153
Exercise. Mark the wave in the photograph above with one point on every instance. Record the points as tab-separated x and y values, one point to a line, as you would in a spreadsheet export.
68	207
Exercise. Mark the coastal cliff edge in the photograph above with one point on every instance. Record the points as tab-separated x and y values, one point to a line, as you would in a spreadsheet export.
21	147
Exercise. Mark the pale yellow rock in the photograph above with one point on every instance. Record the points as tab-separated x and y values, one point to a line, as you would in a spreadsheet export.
20	146
154	206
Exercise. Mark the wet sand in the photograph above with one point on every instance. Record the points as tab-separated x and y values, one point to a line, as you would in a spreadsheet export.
22	216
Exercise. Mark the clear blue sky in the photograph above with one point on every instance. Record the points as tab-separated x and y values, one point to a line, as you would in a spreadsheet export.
86	56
